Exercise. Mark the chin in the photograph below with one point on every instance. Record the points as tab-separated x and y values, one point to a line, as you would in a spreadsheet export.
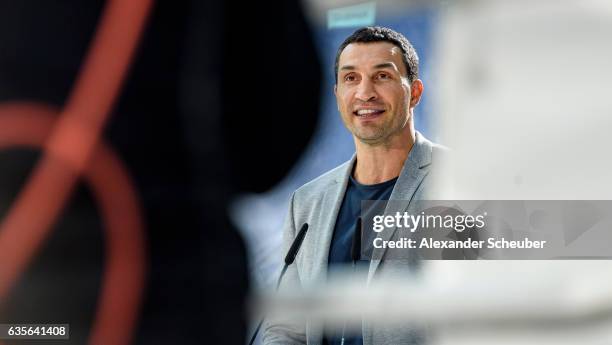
369	138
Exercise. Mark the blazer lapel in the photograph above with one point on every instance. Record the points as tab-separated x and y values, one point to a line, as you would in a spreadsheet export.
330	206
414	171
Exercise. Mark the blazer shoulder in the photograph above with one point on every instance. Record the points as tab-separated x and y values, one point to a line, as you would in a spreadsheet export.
439	153
439	149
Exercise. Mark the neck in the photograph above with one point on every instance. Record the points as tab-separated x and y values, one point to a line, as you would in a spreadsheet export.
380	163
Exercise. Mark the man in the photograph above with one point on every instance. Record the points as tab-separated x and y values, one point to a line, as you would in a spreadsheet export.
377	89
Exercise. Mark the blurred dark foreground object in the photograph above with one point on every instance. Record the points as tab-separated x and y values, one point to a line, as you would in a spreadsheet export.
221	99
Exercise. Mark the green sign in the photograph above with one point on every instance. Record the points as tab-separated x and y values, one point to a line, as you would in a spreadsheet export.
352	16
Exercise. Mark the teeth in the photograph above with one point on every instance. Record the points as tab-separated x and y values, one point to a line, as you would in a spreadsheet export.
366	111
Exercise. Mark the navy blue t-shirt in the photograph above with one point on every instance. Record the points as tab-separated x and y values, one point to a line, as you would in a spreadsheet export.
340	248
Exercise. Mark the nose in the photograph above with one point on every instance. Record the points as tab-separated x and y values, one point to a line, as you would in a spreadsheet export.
366	91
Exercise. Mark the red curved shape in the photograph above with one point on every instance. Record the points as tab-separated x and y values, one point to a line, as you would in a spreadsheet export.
71	148
27	125
75	134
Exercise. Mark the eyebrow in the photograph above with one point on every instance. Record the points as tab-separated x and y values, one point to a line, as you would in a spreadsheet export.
385	65
380	65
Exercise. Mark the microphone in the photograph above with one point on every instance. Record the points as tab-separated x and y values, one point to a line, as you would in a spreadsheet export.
289	259
295	246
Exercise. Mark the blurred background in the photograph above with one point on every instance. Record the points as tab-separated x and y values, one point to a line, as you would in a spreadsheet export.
224	109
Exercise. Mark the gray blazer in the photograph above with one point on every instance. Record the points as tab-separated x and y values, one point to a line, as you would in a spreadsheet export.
317	203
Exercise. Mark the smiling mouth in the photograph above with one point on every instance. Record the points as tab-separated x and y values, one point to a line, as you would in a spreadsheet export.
368	113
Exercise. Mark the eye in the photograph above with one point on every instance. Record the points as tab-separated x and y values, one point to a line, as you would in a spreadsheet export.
349	78
383	76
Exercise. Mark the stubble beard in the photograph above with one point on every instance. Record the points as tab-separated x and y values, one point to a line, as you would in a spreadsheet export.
383	133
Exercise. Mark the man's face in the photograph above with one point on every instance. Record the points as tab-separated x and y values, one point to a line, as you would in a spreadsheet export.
373	92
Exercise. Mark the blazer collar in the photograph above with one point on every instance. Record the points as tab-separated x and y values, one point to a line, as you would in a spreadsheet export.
420	154
415	168
330	207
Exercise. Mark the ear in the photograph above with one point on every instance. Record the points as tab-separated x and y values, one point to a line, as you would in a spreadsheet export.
416	90
336	94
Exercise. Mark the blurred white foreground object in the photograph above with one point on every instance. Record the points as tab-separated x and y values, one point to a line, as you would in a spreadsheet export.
534	302
522	92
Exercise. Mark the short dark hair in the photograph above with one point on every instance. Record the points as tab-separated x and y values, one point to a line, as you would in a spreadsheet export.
381	34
